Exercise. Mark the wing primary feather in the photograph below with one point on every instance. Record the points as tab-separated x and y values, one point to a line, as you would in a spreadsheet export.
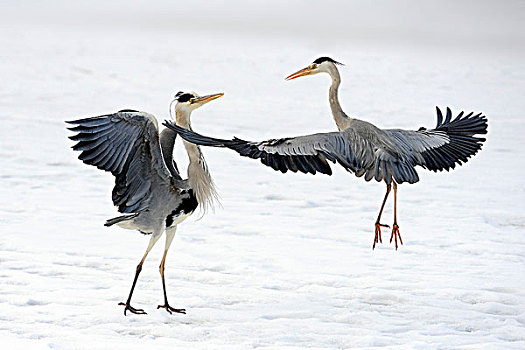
449	116
439	117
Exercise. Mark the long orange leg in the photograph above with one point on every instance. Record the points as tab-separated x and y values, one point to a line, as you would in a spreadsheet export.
395	228
377	237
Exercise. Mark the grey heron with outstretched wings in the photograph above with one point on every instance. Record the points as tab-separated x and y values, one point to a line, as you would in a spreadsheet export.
389	155
149	189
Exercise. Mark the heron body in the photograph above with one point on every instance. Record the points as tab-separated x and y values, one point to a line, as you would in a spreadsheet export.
389	155
148	189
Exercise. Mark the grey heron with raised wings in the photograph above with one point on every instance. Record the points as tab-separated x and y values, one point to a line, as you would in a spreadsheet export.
149	189
389	155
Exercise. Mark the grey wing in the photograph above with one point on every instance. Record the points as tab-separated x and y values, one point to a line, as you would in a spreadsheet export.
307	154
359	150
347	148
125	143
451	142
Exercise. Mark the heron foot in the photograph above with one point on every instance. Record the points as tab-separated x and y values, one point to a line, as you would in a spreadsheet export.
170	309
132	309
395	235
377	238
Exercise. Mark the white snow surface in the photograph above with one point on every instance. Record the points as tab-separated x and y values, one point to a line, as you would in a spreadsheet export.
286	262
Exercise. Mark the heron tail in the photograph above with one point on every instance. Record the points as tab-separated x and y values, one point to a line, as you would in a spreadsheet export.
121	218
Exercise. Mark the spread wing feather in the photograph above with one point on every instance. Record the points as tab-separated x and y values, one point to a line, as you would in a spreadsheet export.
451	142
126	144
307	154
364	149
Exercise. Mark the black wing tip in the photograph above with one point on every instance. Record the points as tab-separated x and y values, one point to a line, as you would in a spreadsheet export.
83	120
80	121
128	110
463	143
178	129
170	124
449	110
460	116
99	117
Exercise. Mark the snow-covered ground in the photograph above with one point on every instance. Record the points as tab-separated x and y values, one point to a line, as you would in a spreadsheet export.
287	261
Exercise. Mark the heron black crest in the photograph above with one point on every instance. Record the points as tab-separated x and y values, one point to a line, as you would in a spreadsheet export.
324	59
183	96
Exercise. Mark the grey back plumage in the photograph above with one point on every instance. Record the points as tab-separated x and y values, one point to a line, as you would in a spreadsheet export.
126	144
364	149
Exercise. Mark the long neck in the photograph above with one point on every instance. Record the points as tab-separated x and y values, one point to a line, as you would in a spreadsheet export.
182	117
341	119
198	176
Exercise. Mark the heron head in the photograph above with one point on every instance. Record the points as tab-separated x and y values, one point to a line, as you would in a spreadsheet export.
189	101
320	65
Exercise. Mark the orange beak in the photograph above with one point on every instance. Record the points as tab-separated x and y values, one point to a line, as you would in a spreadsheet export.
301	73
206	98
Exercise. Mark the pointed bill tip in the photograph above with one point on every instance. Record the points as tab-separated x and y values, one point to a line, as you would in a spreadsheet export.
207	98
300	73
